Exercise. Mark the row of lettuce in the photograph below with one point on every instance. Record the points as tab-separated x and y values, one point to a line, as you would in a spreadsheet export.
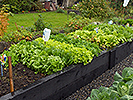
122	88
63	50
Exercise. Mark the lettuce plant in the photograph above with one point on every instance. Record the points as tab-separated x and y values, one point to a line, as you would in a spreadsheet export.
47	58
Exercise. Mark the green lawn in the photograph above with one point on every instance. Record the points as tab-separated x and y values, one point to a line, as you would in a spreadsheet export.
26	20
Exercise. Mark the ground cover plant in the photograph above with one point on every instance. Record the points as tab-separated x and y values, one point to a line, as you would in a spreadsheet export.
18	35
122	21
77	42
122	88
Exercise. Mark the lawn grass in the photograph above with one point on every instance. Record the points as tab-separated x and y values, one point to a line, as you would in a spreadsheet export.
27	20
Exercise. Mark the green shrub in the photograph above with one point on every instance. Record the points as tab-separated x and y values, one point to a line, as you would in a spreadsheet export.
60	10
94	9
21	5
40	25
72	14
76	23
3	21
117	5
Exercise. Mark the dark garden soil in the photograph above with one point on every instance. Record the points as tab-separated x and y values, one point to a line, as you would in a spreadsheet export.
106	80
22	77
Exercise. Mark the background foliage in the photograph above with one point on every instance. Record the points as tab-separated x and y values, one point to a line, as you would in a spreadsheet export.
117	5
22	5
94	9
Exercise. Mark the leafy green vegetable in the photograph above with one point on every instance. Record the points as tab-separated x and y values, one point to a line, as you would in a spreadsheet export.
122	34
48	58
122	88
78	42
104	93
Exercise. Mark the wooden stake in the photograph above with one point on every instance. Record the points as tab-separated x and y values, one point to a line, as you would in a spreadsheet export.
10	76
17	26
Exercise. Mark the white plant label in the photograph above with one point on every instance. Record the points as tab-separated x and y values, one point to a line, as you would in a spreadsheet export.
46	34
125	3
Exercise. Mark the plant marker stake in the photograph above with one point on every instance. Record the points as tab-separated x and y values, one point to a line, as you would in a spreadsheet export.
2	62
1	70
17	26
10	76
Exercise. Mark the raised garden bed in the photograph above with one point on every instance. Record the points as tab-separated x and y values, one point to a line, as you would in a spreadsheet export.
62	84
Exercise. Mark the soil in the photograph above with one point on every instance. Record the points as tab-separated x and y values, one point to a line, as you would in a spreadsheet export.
22	77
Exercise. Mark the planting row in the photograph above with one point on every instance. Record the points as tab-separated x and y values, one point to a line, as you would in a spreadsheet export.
104	36
47	58
64	50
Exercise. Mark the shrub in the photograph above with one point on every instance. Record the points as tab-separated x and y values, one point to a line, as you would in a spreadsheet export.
21	5
117	5
40	25
76	23
94	9
59	10
72	14
3	22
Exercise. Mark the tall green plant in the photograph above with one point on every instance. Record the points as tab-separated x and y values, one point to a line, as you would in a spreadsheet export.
20	5
40	24
117	5
94	9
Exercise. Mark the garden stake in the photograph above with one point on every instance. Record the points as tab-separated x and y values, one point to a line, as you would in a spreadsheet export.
10	76
2	62
1	69
17	26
